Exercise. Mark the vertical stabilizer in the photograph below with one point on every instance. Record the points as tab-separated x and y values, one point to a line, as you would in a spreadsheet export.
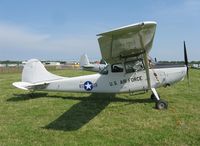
84	61
34	71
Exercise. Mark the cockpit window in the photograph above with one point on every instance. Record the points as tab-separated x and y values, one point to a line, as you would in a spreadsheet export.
117	68
104	71
133	66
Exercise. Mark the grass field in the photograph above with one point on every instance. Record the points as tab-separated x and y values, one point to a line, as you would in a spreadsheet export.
86	119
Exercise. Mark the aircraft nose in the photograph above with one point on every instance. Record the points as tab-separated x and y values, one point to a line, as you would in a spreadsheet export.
183	72
176	74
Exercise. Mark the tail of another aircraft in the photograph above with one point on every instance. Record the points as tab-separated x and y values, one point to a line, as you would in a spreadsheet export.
84	61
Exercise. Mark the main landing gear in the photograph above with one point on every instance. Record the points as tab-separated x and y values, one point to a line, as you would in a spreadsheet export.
160	104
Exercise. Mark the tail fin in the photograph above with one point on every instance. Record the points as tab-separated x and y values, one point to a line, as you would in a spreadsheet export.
84	61
34	72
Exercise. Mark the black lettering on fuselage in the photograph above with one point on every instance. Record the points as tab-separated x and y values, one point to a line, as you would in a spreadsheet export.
124	81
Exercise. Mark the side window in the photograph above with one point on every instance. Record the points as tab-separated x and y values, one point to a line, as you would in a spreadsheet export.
133	66
117	68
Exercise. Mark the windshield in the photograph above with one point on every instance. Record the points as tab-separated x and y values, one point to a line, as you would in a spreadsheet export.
104	71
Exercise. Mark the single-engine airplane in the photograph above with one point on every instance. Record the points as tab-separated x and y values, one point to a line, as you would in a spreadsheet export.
126	50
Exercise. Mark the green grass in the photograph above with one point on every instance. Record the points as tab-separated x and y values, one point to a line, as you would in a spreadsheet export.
86	119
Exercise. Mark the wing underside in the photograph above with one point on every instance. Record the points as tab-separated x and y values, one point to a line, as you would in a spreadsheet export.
128	41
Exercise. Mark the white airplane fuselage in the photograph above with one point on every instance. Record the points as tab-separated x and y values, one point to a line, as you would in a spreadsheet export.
118	82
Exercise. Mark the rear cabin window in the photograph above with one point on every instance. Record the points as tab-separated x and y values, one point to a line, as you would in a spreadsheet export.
117	68
133	66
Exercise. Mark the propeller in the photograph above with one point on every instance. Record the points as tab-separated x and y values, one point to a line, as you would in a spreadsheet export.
186	60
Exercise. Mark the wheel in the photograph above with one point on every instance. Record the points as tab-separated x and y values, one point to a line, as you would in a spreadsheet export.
161	104
153	97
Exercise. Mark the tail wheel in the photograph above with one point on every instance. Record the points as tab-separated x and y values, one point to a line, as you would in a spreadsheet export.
161	104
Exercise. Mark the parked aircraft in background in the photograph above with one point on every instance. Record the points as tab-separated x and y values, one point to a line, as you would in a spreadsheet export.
86	65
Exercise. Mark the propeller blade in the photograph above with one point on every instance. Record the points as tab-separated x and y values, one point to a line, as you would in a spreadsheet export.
185	55
186	60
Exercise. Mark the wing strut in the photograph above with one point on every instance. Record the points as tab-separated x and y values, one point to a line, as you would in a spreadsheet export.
147	69
146	62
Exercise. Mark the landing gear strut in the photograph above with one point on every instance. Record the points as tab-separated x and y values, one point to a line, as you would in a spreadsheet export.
160	104
153	97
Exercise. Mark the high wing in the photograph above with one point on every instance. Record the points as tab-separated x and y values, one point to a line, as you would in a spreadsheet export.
127	41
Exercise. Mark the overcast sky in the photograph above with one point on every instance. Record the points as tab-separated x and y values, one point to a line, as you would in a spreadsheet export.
65	29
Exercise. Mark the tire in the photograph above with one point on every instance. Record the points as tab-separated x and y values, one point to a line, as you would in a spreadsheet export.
161	104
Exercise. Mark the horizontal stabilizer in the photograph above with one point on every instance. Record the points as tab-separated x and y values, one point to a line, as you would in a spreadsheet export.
29	86
22	85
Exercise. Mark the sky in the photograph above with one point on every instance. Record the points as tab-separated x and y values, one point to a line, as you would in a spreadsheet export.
66	29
